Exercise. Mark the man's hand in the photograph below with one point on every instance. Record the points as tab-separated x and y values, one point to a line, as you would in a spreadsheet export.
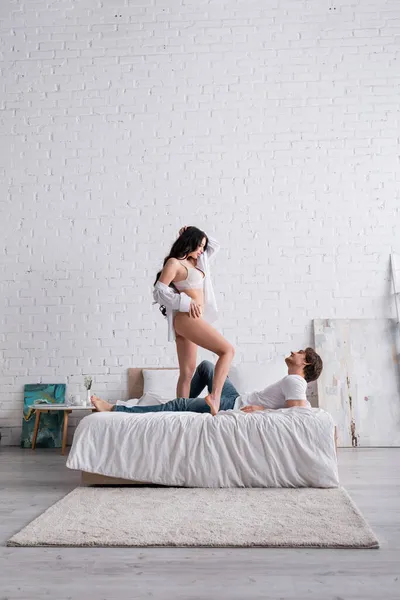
182	229
251	408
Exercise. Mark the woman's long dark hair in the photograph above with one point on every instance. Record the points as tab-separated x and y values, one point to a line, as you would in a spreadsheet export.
186	243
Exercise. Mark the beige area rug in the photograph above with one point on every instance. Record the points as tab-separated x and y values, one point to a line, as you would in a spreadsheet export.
233	517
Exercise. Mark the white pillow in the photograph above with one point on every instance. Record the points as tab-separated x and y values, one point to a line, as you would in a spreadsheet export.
255	377
130	402
146	400
160	382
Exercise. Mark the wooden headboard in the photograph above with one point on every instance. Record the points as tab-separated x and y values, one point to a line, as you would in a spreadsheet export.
136	382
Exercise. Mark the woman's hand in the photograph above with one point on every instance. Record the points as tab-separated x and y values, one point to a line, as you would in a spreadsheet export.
195	310
251	408
182	229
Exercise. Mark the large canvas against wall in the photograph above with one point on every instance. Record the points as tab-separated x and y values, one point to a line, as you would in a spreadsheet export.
360	384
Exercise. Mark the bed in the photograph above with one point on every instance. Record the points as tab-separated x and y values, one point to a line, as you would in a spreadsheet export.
291	447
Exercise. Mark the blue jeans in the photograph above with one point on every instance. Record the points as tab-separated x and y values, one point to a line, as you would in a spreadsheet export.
202	378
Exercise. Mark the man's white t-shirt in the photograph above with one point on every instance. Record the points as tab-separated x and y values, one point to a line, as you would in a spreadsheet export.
291	387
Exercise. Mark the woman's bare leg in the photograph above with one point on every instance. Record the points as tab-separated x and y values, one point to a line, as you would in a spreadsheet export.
187	355
203	334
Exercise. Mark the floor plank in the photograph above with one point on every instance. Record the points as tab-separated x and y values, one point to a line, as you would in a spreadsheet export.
30	482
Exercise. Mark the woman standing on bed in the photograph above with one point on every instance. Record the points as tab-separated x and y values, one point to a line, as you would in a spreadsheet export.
184	291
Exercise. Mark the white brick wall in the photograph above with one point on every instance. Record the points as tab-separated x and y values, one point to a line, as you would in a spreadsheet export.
273	125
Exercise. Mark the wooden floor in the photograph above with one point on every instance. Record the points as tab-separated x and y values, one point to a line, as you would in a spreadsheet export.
32	481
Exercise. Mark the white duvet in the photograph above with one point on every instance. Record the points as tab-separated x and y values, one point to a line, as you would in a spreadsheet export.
290	447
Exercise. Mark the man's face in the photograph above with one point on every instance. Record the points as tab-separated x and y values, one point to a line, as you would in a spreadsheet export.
296	359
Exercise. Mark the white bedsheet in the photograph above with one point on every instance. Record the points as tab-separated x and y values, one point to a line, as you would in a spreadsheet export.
290	447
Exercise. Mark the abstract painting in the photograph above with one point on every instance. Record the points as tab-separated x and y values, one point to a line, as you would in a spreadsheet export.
50	430
360	384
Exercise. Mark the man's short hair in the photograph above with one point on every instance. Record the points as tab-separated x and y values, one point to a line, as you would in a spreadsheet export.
314	367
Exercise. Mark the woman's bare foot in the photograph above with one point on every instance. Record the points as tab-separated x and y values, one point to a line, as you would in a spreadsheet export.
213	403
100	405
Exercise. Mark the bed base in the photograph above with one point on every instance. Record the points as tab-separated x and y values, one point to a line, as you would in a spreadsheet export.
96	479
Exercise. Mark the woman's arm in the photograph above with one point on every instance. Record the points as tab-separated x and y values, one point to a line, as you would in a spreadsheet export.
165	295
212	247
169	271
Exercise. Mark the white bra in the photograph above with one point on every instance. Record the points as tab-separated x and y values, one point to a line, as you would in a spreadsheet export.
194	280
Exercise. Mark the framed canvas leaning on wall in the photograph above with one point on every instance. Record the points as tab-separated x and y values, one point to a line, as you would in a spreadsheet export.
50	431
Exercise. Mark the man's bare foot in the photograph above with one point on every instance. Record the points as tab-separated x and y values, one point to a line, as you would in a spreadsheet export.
100	405
213	403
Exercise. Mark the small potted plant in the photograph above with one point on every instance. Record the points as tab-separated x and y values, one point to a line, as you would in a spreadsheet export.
88	386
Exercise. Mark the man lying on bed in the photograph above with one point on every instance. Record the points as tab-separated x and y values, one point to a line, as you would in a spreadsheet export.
303	366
